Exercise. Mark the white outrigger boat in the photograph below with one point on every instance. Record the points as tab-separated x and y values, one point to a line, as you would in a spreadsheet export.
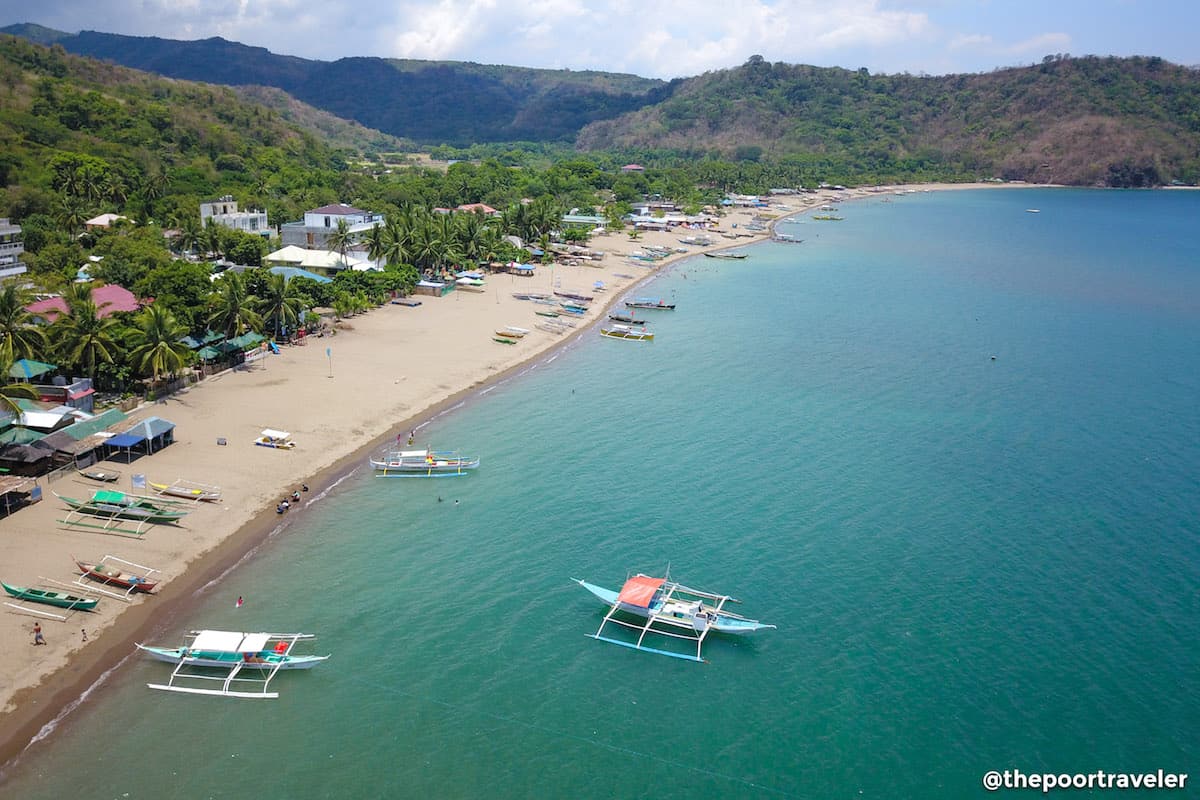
670	609
423	463
230	658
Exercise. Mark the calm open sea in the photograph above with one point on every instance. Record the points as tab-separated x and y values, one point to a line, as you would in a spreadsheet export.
949	447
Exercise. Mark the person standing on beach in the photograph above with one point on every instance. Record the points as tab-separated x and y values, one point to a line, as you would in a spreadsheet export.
37	634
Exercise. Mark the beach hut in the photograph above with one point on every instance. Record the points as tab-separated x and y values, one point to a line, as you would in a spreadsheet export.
149	435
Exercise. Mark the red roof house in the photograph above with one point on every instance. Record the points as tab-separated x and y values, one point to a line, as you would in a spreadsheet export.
109	299
471	208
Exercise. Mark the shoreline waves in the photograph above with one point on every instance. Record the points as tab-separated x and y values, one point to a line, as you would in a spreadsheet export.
392	370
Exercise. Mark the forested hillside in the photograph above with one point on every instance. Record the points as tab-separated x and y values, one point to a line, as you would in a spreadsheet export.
1085	121
431	102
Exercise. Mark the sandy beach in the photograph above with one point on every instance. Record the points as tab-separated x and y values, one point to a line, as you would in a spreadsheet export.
387	372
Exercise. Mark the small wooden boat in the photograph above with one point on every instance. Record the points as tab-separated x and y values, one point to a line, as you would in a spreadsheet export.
106	571
50	598
546	313
582	298
188	491
725	255
102	474
503	340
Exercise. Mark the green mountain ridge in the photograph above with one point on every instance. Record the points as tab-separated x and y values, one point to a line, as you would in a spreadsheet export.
432	102
1078	121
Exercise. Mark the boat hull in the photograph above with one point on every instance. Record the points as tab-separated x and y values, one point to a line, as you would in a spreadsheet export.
56	599
115	511
419	464
124	580
187	494
222	659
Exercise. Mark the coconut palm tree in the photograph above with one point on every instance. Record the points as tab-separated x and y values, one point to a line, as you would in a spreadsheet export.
19	336
10	392
280	305
376	243
190	234
84	337
341	238
213	238
233	307
157	348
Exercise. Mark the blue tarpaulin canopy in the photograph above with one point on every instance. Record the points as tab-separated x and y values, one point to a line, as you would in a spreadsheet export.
27	368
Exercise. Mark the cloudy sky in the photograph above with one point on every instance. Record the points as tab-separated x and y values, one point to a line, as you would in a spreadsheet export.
659	38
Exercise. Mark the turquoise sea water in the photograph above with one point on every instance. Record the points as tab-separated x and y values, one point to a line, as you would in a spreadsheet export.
949	447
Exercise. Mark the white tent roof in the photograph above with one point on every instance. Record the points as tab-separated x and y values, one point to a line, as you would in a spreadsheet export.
228	641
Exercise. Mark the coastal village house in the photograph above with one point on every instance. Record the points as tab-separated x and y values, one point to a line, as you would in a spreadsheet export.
313	232
224	211
325	263
11	249
109	300
103	222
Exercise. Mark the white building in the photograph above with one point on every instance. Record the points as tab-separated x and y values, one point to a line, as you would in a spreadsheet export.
318	224
224	211
11	249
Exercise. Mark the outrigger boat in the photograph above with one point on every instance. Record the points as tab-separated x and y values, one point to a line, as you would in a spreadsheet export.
627	333
107	571
649	302
422	464
280	440
725	255
119	505
225	655
51	598
670	609
188	490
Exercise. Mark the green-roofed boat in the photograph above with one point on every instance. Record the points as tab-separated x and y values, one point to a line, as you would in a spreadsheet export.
119	505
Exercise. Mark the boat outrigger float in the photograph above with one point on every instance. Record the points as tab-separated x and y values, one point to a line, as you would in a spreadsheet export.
670	609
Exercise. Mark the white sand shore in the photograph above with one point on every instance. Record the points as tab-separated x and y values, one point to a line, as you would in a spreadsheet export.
389	369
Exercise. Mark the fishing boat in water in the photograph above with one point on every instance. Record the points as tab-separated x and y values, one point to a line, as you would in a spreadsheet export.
730	256
670	610
650	302
51	598
628	333
231	658
424	463
628	319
